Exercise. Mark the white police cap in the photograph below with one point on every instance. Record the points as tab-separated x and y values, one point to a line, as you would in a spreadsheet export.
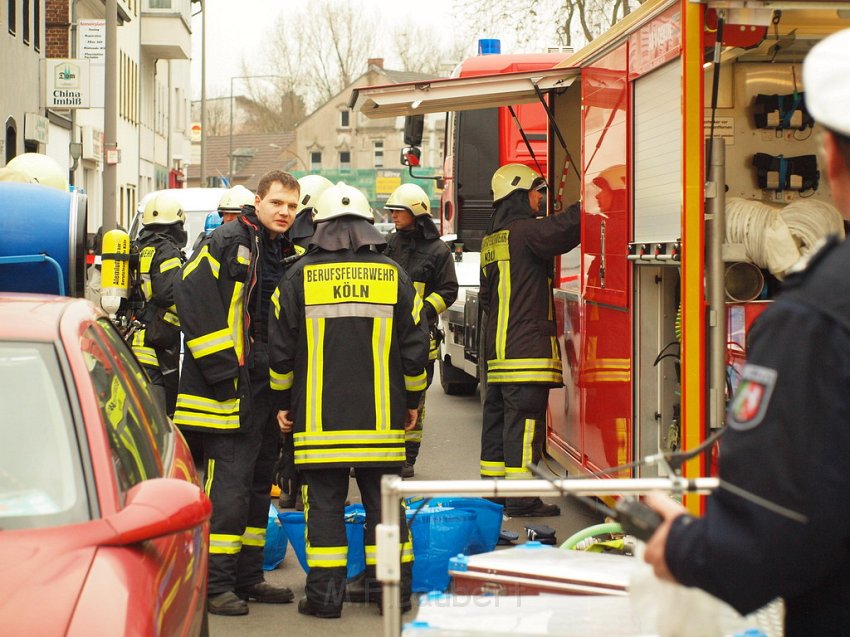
826	70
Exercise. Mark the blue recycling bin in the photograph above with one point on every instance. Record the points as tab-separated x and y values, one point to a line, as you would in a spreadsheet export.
439	533
295	527
275	548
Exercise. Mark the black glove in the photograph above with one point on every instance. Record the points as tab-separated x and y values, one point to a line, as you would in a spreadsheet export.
225	390
284	468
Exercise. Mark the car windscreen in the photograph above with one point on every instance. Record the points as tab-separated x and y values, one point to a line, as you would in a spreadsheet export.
41	483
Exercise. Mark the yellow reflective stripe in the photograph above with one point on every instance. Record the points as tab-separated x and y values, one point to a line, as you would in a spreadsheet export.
327	556
145	355
315	372
210	475
414	435
527	439
207	421
225	544
606	376
299	249
243	255
320	456
147	286
531	376
281	382
416	383
407	552
349	436
518	364
437	302
504	308
381	337
512	473
236	321
254	536
171	317
145	258
203	255
371	552
492	468
276	302
169	264
210	405
419	286
417	309
210	343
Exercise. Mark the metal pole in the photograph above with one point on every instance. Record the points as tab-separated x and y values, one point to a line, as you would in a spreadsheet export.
388	568
716	205
230	142
110	115
202	181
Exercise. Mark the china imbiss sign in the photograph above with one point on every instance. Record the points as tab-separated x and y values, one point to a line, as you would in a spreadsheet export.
66	83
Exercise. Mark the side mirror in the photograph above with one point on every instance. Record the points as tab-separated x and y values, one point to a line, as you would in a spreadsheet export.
413	125
410	156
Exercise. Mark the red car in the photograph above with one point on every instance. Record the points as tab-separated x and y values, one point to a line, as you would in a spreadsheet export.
104	529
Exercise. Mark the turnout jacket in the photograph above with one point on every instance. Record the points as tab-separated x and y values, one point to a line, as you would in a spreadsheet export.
787	442
218	286
160	259
520	343
347	353
429	263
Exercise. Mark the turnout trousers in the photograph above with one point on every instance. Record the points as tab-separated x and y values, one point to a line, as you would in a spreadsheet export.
324	493
239	468
413	438
514	424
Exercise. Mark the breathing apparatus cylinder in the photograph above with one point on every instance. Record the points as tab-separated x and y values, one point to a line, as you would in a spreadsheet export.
115	270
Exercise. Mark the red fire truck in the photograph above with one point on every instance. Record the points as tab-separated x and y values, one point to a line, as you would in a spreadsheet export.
681	113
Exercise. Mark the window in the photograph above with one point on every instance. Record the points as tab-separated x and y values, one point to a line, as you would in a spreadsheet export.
315	160
378	153
12	15
345	159
36	25
25	14
344	118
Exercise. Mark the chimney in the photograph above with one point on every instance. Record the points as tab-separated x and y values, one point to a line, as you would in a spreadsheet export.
379	62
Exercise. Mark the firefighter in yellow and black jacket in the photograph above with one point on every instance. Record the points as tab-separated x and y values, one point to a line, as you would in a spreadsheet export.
520	343
223	300
157	344
416	246
348	351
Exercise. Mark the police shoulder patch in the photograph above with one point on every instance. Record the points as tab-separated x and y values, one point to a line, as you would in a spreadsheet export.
752	397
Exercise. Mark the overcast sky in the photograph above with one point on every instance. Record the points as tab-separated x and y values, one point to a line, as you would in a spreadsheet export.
238	28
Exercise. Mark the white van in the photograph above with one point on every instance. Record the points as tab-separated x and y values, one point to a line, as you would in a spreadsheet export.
197	204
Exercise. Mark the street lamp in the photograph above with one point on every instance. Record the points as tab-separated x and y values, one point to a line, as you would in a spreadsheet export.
230	143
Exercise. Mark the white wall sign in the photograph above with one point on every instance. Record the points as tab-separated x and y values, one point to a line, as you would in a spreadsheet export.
36	128
66	83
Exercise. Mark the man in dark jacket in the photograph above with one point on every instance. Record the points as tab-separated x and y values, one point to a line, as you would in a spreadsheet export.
416	246
348	348
779	526
157	344
223	300
520	343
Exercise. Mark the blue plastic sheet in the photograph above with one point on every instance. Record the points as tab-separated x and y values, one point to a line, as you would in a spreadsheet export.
355	517
488	520
275	548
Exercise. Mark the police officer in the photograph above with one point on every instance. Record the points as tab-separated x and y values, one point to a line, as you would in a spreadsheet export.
416	246
780	523
349	345
520	343
157	344
312	187
223	300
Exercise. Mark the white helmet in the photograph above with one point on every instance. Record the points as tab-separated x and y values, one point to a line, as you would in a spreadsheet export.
511	177
234	198
312	187
342	200
40	169
409	197
164	210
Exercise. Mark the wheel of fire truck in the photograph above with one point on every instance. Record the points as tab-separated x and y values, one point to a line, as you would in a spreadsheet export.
455	382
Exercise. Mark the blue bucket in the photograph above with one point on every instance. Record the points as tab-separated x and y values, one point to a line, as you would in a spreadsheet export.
295	527
275	548
439	533
488	520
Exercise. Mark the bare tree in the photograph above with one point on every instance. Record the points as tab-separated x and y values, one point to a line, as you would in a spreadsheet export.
422	50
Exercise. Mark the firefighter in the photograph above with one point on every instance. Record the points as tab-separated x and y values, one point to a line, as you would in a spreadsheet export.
312	187
779	526
416	247
157	344
520	343
223	300
348	348
233	201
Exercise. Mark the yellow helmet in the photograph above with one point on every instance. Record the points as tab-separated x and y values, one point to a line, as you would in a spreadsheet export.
41	169
164	210
409	197
312	187
234	198
511	177
342	200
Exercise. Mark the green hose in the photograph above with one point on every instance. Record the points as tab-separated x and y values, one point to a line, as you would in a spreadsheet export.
596	529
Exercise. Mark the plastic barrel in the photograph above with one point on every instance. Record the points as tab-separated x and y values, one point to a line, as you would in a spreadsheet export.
439	533
38	220
295	527
275	548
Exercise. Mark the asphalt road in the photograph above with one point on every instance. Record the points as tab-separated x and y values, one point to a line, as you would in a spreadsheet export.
450	450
